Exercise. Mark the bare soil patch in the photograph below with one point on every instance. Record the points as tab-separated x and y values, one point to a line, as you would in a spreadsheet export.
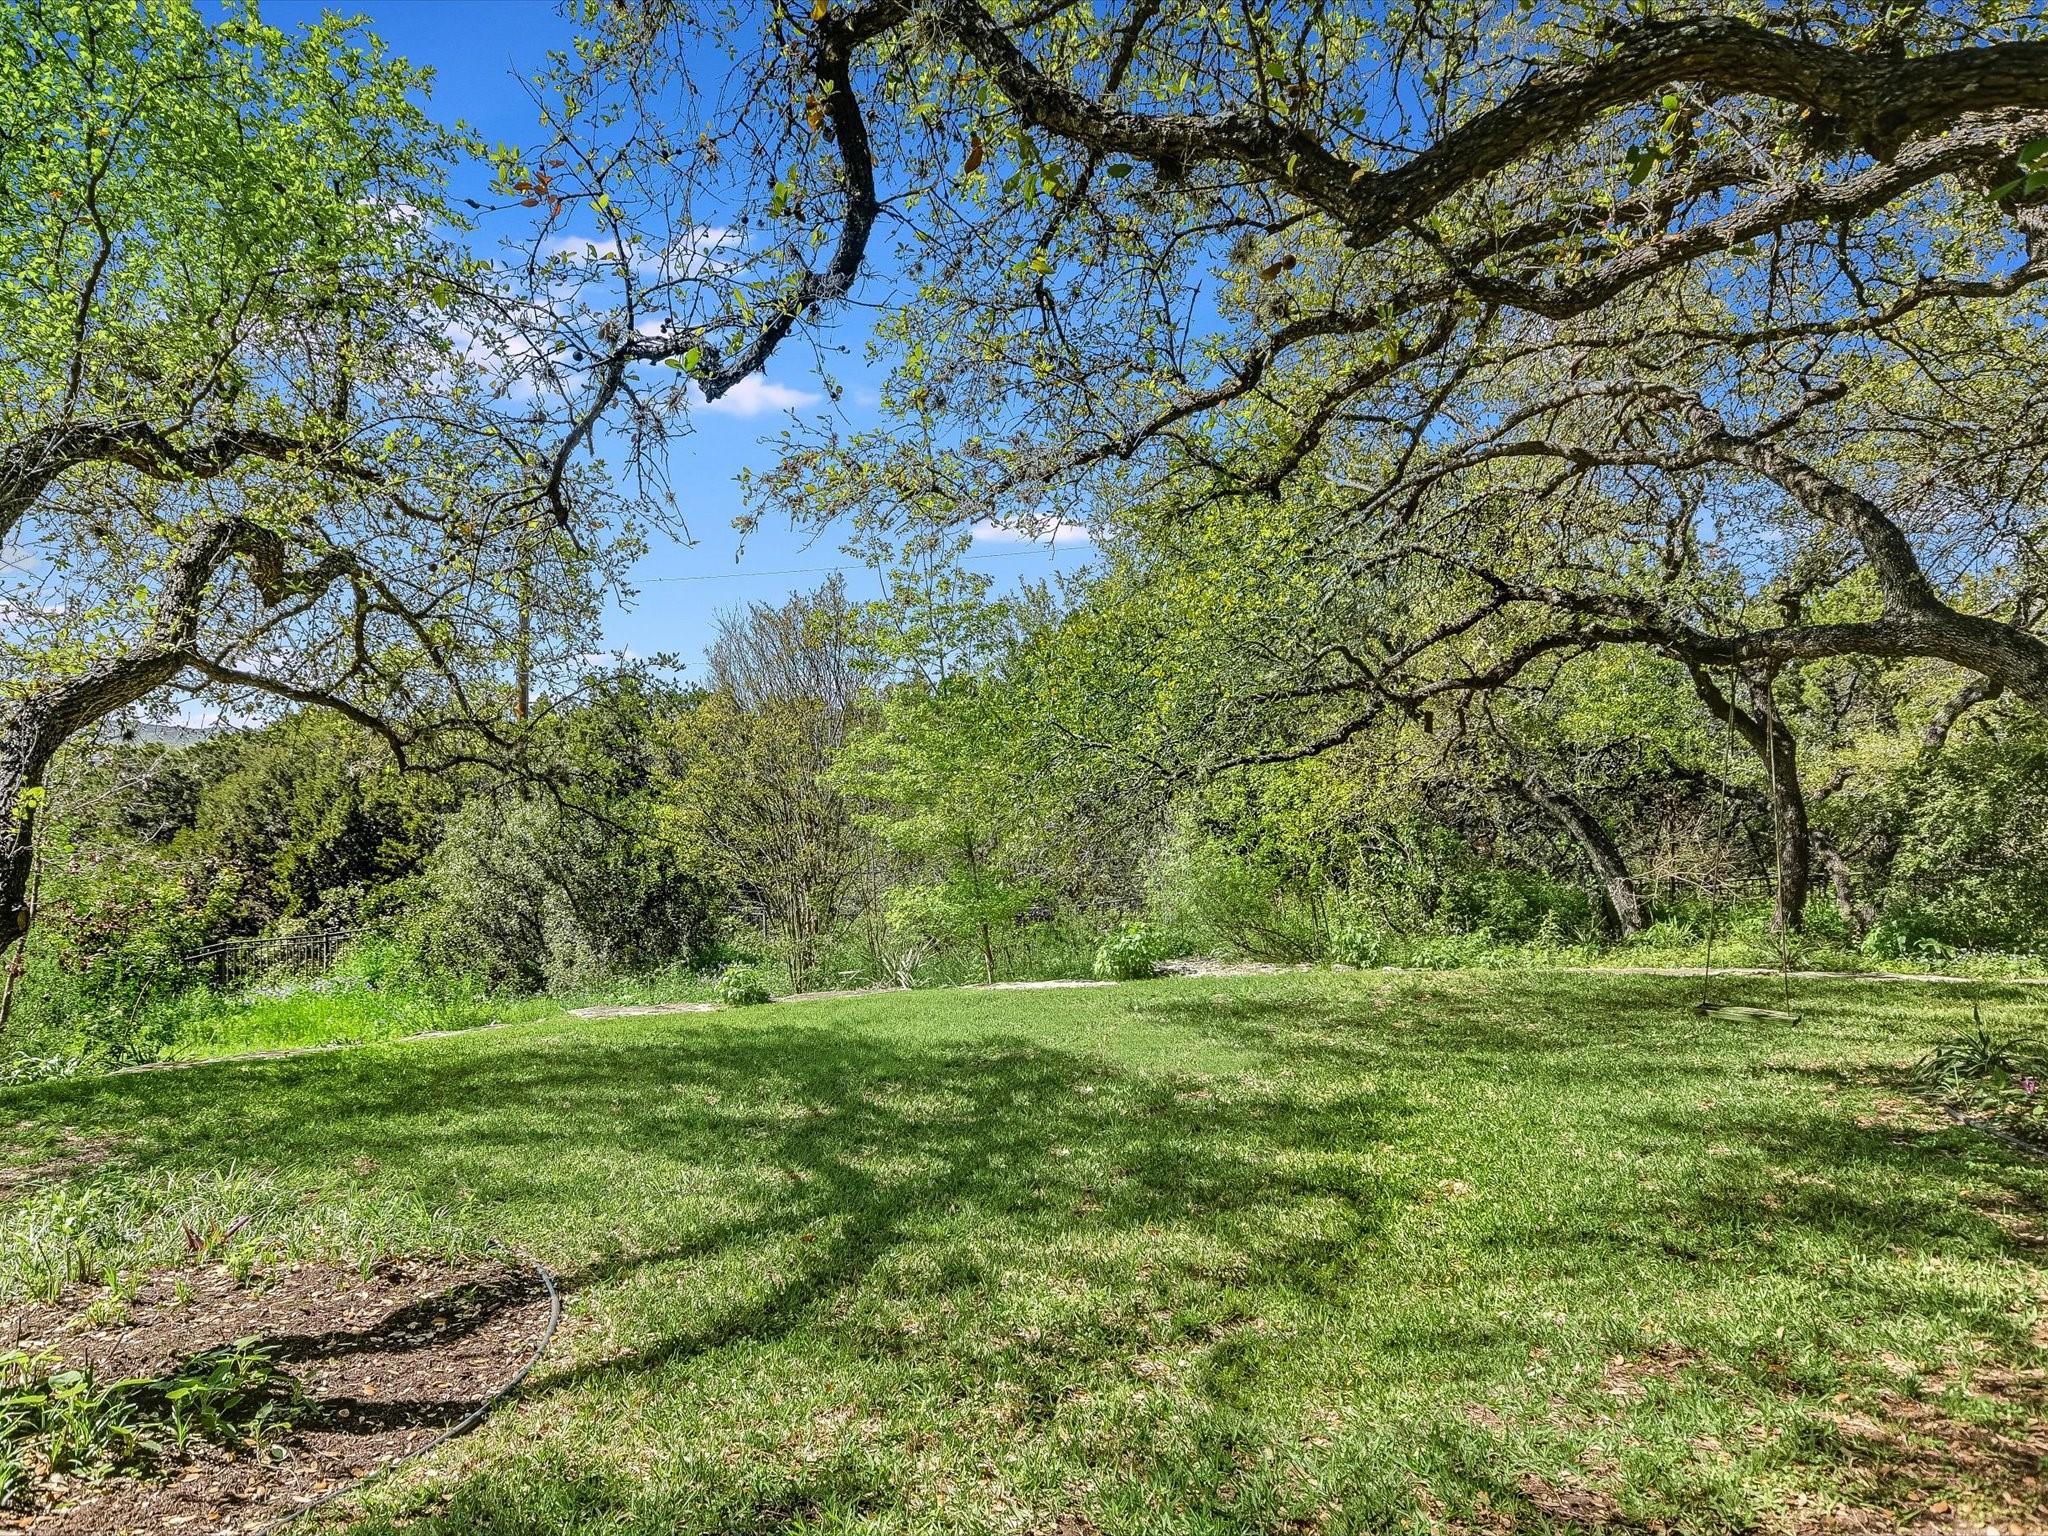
384	1362
1928	1469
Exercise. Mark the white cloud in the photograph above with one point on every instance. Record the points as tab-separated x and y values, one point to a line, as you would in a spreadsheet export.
986	532
755	395
504	358
708	245
604	247
701	248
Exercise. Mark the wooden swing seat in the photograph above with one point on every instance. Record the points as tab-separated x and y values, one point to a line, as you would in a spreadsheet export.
1737	1011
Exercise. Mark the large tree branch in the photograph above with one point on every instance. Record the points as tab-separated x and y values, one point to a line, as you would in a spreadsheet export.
716	374
1877	101
31	464
1979	690
2006	653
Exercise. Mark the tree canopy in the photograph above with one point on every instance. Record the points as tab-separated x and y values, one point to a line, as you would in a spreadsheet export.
243	443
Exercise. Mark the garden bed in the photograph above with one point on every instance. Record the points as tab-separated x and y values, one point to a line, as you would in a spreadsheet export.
212	1403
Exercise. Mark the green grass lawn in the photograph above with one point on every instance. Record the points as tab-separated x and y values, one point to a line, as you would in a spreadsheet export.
1306	1253
289	1017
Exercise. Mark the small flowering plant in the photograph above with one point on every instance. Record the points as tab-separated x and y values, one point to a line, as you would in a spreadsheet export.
1994	1078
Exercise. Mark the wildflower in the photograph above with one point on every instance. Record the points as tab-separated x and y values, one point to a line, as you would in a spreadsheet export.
2029	1085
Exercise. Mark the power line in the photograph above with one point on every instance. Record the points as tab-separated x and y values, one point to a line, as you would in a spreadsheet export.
1050	551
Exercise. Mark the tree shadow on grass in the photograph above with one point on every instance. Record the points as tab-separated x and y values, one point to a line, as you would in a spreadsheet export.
891	1149
1873	1180
1541	1023
821	1154
863	1143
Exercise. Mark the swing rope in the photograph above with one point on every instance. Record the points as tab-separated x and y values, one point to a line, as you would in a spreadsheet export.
1766	722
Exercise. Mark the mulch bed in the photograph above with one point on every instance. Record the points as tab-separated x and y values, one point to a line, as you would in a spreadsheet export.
386	1361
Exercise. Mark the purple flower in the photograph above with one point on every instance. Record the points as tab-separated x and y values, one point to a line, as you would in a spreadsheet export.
2029	1085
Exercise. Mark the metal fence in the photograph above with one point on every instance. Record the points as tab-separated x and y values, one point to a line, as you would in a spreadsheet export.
230	961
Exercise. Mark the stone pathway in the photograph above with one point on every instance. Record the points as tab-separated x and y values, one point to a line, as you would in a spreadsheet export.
640	1010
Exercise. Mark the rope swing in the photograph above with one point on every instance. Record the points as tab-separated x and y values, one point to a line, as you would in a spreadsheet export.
1708	1005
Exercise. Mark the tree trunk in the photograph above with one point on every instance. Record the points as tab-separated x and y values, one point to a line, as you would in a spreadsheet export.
24	760
1625	912
1789	826
1768	736
30	737
1858	915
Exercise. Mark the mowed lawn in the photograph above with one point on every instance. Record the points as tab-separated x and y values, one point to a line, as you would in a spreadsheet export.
1315	1253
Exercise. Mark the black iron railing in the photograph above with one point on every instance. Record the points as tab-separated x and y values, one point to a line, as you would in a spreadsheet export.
228	961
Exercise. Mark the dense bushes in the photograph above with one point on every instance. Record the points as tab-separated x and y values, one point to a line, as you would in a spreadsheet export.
524	894
1217	900
904	799
741	986
1970	870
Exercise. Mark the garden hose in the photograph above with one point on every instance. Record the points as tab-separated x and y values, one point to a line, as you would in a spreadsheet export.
1997	1133
468	1422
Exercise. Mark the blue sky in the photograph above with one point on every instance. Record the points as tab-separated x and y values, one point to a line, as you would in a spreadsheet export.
479	50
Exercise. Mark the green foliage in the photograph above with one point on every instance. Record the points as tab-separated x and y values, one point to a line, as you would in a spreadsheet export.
242	1214
79	1425
272	214
947	801
525	893
1357	945
1999	1078
1223	901
1517	905
315	822
250	428
327	1011
66	1419
744	793
1976	1055
1132	955
1907	936
231	1395
741	986
28	1067
1970	825
1478	950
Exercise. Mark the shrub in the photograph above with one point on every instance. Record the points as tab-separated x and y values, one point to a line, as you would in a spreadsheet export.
534	897
1228	900
1979	1056
79	1424
1359	946
741	986
1455	952
1905	936
2002	1078
18	1071
1512	905
1132	955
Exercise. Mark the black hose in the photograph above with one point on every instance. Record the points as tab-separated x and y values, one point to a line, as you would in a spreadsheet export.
470	1421
1997	1133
